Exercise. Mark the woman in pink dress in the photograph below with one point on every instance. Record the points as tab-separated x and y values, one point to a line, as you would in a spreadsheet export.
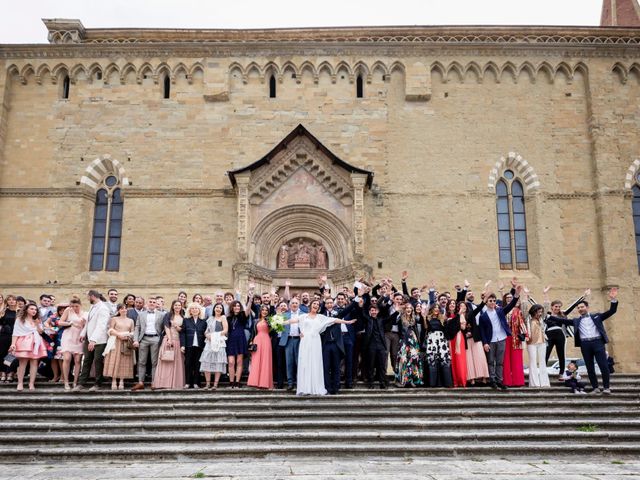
261	370
513	368
27	344
170	372
73	318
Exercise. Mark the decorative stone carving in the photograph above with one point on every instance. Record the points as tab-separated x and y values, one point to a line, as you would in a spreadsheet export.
302	253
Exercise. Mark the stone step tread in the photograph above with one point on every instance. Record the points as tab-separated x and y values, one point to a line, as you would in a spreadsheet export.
387	448
458	422
8	439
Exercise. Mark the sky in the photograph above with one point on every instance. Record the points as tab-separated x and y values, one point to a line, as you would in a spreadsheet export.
20	21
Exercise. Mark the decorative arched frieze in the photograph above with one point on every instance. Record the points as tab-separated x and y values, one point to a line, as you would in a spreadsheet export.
295	221
632	172
101	167
520	166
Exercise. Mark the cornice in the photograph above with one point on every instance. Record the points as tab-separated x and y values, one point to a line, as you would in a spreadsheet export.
130	192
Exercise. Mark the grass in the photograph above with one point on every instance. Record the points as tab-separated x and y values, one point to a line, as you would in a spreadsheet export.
617	462
587	428
199	474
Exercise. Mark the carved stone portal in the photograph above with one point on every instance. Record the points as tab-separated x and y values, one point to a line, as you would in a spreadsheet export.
302	253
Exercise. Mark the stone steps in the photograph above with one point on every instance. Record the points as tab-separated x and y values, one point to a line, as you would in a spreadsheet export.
110	425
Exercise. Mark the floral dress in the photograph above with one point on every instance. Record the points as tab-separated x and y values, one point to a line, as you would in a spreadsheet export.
409	361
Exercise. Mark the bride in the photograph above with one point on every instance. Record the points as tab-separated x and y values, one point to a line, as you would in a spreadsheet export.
310	369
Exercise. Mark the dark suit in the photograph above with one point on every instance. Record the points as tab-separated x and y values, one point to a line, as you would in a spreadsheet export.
192	329
332	353
592	349
375	345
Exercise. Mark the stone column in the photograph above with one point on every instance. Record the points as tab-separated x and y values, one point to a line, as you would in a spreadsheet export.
242	183
359	181
5	84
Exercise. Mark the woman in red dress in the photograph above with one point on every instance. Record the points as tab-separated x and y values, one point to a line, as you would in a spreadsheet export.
457	344
513	368
261	369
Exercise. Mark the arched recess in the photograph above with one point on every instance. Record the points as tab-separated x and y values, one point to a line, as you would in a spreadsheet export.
522	168
101	167
632	172
295	221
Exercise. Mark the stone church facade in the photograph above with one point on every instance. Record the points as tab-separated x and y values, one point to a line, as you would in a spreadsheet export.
159	160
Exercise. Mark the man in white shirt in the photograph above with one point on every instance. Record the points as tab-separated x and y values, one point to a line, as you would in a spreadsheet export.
112	301
94	336
146	338
290	340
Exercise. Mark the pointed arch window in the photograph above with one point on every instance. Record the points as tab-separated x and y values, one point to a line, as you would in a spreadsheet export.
107	226
359	87
512	223
66	85
272	86
166	83
635	204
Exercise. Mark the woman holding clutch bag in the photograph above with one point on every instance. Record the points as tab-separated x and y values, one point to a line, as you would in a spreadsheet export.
170	371
261	373
214	355
119	351
27	344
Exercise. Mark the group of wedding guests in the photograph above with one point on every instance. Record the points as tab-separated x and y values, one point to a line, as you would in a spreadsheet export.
313	342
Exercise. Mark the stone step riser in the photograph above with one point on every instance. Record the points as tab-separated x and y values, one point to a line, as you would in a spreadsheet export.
216	414
387	449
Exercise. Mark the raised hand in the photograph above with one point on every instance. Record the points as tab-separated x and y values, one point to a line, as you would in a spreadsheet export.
405	275
287	283
433	284
546	289
587	292
500	287
323	279
518	289
514	282
613	293
466	284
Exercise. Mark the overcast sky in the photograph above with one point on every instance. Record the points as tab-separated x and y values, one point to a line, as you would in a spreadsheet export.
20	23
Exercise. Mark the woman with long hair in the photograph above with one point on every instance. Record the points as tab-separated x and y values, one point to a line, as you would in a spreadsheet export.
513	368
537	347
477	366
7	321
214	355
73	320
437	348
118	363
237	341
457	342
261	371
170	370
409	365
53	335
27	344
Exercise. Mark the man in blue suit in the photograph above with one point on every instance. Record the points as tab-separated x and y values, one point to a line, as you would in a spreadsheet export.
495	330
290	340
591	336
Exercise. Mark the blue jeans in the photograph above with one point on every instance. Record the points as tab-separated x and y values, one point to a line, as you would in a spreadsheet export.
595	350
291	354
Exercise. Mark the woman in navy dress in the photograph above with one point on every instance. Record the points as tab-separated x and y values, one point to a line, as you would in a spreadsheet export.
236	340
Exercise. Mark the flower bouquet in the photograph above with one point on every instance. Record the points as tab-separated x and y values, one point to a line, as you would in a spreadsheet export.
276	323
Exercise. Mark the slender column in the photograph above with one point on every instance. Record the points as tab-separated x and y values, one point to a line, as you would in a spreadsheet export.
242	182
359	181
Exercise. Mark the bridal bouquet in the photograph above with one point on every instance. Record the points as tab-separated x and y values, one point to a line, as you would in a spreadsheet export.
276	323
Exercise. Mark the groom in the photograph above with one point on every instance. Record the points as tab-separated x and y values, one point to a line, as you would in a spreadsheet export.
290	340
332	350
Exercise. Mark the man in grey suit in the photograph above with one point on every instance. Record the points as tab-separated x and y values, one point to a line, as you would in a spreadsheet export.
146	338
94	337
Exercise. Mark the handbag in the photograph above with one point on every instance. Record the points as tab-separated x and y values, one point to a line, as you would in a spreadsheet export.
9	359
253	347
126	346
168	354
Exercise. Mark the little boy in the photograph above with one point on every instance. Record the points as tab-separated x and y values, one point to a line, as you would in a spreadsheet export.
571	379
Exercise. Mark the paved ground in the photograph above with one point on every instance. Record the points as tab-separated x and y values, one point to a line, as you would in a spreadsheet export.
349	468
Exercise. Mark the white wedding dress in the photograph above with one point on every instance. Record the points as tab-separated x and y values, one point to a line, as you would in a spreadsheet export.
310	368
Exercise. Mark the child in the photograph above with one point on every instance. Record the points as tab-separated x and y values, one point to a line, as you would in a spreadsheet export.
571	379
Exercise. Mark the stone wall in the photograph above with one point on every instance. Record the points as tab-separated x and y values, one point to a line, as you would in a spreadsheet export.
430	128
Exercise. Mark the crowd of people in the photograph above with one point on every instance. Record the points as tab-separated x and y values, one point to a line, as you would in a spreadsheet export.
314	342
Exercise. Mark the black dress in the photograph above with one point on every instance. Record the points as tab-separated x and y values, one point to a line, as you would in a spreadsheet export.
6	331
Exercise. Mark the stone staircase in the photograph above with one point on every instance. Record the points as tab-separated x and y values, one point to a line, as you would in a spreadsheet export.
50	424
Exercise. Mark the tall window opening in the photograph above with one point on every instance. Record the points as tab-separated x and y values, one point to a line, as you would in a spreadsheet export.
65	87
107	226
512	223
272	86
635	203
359	87
167	86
